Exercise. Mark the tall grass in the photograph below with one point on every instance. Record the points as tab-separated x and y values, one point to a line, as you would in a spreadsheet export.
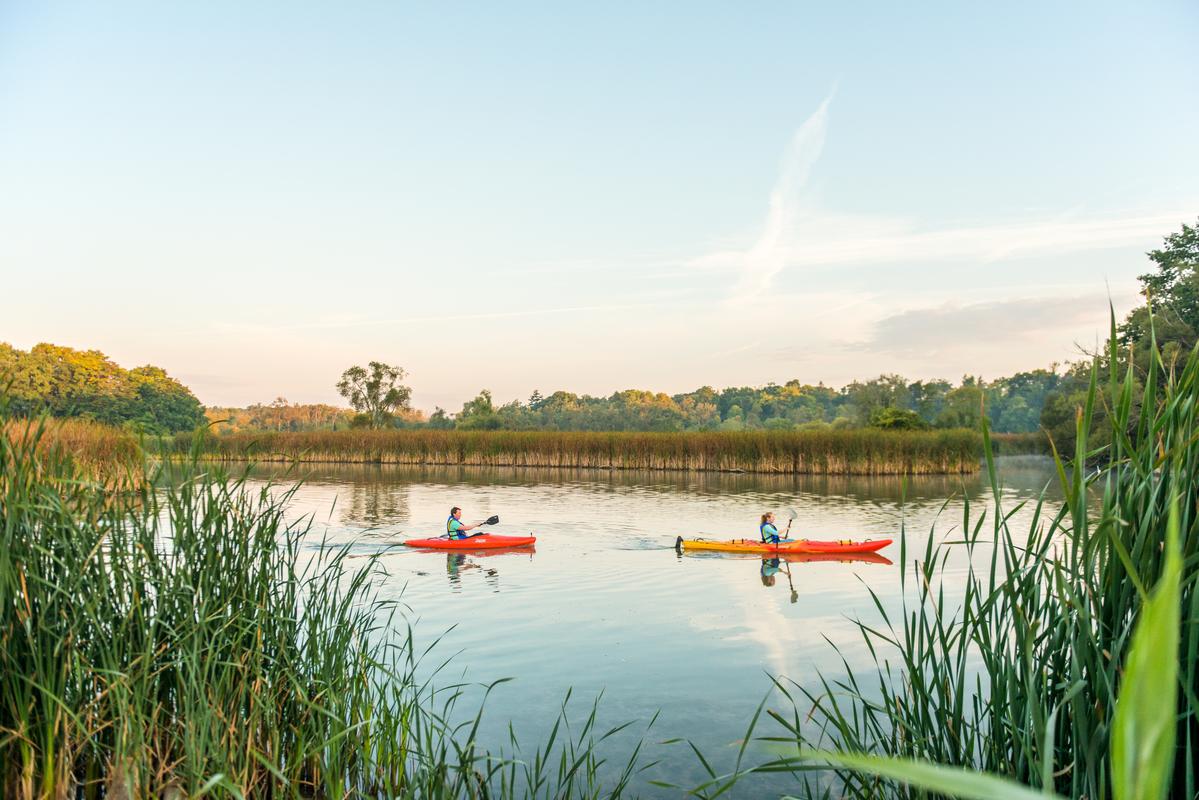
849	452
174	643
102	453
1018	674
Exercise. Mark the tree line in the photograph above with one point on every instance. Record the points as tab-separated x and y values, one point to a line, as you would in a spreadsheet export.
86	384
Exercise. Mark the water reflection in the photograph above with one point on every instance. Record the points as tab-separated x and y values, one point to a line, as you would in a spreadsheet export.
458	563
375	503
770	570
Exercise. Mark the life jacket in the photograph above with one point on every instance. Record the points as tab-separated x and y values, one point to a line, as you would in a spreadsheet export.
768	537
453	534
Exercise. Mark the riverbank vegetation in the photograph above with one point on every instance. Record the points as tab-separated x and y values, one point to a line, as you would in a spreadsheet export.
172	642
1022	673
843	452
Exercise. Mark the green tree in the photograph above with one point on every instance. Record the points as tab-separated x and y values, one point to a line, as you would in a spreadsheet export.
164	405
440	419
897	419
375	392
479	413
963	405
1172	291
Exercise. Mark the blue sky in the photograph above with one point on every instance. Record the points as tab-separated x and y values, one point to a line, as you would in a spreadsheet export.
591	197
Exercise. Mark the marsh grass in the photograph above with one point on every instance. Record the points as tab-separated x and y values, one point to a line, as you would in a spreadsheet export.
1018	673
840	452
177	642
102	453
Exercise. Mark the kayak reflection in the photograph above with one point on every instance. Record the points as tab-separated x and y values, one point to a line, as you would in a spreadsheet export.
773	565
771	568
460	563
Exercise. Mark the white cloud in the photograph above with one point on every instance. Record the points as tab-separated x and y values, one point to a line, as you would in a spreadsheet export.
953	326
796	232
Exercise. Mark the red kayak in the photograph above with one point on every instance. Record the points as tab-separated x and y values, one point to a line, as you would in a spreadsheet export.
485	541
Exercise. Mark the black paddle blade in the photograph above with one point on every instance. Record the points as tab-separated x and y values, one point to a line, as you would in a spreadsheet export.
492	521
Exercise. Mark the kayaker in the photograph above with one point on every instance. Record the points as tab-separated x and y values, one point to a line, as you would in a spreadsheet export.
455	528
770	533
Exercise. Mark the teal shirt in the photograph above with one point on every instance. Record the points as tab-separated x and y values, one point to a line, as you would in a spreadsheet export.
453	528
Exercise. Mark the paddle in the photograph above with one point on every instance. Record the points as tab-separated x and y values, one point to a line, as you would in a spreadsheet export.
793	514
794	594
492	520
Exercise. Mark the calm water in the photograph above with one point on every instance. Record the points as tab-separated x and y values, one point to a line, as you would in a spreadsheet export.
605	604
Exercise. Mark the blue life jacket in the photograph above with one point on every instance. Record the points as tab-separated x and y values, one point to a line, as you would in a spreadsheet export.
449	529
772	536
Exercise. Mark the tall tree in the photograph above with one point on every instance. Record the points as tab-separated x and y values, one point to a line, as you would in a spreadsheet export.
1172	291
375	391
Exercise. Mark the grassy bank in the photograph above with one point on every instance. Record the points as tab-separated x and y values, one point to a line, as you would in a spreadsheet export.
1021	673
847	452
171	643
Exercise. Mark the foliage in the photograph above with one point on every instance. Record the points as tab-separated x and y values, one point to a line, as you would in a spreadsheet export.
1173	293
86	384
375	391
897	419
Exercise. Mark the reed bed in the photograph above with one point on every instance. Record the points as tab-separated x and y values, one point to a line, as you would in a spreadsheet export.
102	453
850	452
1018	674
172	643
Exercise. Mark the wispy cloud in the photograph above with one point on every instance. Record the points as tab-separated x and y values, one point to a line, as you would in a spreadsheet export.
831	240
932	331
770	253
797	232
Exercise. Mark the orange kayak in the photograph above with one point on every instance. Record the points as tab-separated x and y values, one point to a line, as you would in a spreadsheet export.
808	546
486	541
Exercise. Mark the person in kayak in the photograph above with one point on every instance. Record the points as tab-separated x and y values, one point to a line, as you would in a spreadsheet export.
455	528
768	530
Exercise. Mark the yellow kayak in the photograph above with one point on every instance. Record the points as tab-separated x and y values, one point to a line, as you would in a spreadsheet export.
785	546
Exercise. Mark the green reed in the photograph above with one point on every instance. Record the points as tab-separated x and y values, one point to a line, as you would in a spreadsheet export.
178	642
1017	673
849	452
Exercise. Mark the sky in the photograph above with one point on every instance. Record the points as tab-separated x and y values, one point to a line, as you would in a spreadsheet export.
590	197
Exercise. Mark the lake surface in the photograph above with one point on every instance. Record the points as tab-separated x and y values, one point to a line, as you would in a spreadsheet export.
605	604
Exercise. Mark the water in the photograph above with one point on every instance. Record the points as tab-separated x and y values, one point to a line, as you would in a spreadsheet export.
605	604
